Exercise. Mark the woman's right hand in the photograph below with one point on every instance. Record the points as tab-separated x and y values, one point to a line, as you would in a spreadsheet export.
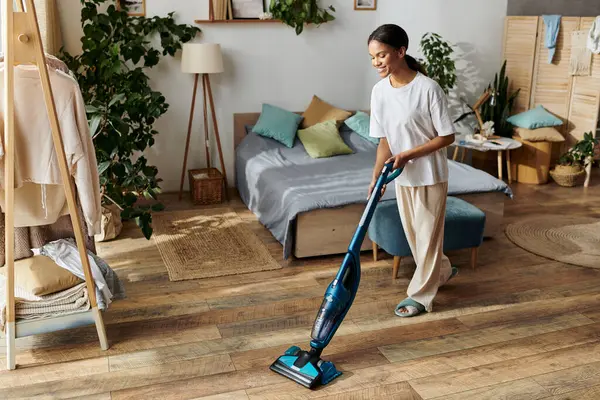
372	186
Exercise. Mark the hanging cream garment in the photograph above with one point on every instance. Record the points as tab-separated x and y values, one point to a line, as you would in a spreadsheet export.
35	158
580	63
30	196
37	205
593	41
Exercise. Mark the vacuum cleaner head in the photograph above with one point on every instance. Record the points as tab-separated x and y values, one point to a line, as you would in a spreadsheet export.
305	367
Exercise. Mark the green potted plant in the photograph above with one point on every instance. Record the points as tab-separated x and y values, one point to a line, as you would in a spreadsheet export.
121	106
438	61
576	162
298	13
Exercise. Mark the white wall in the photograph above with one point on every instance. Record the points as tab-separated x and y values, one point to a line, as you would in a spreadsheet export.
269	63
474	27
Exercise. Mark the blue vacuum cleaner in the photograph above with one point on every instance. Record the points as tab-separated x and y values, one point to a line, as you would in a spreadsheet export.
306	367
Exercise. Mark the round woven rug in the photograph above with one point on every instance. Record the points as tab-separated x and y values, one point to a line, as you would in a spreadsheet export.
568	239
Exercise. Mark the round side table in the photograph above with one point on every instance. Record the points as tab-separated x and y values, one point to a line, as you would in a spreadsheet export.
503	145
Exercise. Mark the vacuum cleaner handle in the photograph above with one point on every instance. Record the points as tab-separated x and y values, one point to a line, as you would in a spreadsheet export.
384	178
394	174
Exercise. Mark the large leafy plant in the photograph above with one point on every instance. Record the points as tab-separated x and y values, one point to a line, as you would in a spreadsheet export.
121	106
298	13
499	106
438	60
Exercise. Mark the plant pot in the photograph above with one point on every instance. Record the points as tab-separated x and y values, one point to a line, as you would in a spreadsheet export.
567	175
567	169
111	224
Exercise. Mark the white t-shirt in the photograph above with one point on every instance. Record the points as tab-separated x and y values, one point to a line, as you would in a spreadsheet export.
408	117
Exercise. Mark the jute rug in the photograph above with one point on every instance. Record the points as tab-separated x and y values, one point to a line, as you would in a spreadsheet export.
208	243
568	239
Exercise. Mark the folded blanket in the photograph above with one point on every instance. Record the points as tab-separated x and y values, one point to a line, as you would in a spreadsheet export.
593	40
29	306
73	300
552	27
64	253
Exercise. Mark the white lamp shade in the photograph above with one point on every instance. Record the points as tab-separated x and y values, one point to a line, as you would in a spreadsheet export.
201	58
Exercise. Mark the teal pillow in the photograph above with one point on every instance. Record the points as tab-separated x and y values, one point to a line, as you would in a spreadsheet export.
278	124
535	118
323	140
360	123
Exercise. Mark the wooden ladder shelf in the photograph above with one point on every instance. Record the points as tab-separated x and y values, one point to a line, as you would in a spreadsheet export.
22	45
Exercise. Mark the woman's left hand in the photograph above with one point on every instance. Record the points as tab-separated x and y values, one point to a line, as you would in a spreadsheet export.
399	160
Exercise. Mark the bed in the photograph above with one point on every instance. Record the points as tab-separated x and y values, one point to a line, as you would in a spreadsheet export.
312	206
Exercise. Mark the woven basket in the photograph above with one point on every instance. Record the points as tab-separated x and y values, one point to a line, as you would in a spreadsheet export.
567	176
206	186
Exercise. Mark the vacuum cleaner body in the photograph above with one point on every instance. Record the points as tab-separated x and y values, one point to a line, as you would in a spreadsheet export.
306	367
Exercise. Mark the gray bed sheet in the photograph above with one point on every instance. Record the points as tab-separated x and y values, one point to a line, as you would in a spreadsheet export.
277	183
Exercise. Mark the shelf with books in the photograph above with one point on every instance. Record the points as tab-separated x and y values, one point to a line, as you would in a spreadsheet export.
234	21
222	12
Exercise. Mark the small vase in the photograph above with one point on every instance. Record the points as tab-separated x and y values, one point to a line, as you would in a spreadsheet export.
589	160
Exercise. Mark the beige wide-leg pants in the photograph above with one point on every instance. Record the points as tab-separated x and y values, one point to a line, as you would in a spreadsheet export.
422	211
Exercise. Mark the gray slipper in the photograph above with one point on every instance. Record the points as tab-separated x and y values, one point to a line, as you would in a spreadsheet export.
411	306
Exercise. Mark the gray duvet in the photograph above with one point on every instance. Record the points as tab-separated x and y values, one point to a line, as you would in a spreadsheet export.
277	183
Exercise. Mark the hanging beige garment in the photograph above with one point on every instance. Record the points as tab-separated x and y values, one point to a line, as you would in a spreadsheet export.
35	158
29	196
37	205
581	57
49	22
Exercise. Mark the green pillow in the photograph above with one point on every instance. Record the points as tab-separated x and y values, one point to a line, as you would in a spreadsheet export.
360	123
278	124
323	140
535	118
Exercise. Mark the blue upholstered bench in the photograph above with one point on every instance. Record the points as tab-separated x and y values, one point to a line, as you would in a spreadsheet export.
463	229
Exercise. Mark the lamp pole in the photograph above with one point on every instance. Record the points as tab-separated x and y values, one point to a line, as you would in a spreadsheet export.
189	133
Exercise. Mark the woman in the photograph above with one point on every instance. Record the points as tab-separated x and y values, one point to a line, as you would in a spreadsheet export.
409	112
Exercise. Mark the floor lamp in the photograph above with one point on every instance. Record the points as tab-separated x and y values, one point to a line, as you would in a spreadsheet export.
202	59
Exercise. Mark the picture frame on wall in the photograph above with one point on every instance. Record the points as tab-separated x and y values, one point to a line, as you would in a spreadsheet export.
135	8
365	5
247	9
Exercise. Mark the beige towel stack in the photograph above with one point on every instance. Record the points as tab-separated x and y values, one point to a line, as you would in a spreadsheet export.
31	307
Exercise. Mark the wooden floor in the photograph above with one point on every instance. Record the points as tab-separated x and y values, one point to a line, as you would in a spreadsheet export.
518	327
